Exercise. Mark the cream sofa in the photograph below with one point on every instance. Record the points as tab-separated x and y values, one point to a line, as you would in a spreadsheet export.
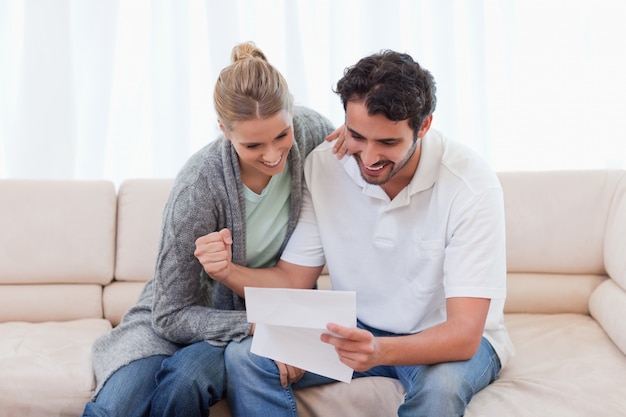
74	256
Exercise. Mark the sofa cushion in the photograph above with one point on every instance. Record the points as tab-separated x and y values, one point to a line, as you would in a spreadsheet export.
46	367
57	232
608	306
363	397
541	209
614	246
382	398
550	293
140	209
565	366
118	297
50	302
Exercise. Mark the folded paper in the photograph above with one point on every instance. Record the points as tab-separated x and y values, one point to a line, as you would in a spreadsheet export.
289	324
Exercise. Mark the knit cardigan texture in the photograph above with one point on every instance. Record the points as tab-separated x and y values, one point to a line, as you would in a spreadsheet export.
181	305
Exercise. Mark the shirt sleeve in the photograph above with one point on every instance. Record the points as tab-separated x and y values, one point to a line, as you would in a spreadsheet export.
475	255
305	246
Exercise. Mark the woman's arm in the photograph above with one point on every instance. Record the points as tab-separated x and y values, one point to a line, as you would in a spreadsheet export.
186	308
214	253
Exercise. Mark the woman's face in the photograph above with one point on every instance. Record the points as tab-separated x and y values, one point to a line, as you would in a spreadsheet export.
262	146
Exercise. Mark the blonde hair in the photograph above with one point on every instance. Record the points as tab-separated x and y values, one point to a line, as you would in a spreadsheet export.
250	88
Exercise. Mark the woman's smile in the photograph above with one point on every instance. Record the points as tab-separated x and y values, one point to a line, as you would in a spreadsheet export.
273	164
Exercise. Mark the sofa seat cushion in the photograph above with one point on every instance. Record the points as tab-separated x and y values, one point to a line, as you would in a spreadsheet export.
363	397
47	366
565	365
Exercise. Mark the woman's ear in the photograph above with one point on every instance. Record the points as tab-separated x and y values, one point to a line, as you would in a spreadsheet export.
223	128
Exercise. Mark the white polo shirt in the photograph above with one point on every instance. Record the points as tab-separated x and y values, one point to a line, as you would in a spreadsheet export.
441	236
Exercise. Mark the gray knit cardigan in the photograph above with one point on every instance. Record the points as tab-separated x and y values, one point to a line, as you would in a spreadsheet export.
181	305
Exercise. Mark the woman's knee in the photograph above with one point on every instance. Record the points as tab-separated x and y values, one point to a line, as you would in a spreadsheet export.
241	362
128	391
194	365
238	352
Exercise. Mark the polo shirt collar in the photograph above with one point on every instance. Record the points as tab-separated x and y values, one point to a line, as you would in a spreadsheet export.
430	161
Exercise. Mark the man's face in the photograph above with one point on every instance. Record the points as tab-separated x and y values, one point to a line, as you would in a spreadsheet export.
385	150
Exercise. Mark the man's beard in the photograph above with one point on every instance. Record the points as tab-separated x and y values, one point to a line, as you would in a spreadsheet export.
397	167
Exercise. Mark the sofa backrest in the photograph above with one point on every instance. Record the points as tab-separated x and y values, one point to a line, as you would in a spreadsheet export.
140	213
556	225
57	241
608	302
615	240
564	236
139	216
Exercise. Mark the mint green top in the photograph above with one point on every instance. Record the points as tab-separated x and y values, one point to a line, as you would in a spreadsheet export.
267	215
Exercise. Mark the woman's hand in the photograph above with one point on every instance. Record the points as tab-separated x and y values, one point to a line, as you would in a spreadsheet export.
339	149
289	374
214	251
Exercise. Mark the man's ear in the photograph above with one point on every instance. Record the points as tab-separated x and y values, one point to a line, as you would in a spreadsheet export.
425	126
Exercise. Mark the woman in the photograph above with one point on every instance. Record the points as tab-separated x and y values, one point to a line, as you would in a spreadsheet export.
166	357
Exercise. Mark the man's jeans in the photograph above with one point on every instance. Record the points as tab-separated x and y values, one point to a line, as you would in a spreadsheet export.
438	390
184	384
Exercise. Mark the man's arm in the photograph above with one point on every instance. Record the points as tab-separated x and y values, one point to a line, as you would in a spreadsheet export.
215	254
456	339
283	275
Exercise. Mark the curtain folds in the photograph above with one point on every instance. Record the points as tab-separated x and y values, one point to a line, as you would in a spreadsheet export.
123	89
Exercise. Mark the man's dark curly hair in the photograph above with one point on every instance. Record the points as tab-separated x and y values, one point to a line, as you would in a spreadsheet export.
393	84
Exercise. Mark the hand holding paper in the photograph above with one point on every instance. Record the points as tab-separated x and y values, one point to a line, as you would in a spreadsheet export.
289	324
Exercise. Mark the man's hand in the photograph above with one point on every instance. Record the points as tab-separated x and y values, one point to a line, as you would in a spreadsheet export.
288	374
214	251
339	149
357	348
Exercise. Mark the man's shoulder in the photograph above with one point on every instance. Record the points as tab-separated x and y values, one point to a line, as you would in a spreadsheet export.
323	167
322	159
322	153
464	160
459	164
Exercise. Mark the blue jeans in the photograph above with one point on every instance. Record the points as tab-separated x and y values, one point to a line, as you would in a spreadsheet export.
440	390
187	383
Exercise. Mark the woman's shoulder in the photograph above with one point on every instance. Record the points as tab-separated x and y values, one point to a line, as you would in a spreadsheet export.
203	170
306	116
310	128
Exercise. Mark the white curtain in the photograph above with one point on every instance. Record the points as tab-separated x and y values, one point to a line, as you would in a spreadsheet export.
123	89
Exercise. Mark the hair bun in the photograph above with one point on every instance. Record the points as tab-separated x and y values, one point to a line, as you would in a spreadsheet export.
246	50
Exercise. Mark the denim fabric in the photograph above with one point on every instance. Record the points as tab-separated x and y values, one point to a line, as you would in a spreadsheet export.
184	384
190	381
442	390
128	392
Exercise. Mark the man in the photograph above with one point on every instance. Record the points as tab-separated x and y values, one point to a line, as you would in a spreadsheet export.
412	222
